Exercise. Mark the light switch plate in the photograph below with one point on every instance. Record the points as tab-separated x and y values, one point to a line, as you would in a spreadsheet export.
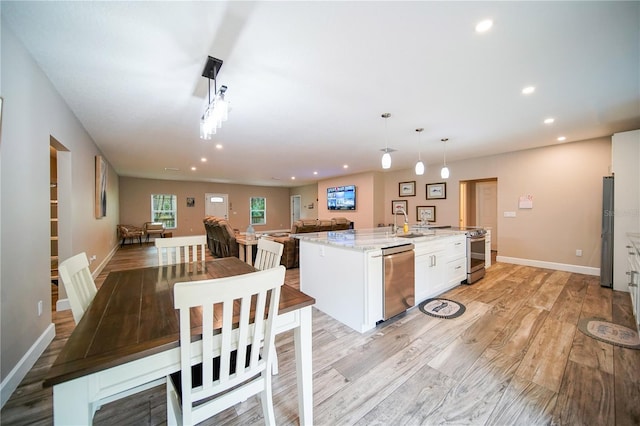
509	214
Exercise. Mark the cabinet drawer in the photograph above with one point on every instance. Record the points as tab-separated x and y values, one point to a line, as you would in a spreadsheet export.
457	271
457	247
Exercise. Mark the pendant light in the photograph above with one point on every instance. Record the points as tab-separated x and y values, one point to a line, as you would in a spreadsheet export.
386	157
419	164
444	173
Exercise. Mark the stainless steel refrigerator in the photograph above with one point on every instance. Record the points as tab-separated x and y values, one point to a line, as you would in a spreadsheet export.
606	254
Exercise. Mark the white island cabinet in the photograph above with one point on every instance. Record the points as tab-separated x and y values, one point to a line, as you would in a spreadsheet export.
346	283
343	270
440	265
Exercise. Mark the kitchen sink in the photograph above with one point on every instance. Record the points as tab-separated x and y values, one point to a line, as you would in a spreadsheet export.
411	235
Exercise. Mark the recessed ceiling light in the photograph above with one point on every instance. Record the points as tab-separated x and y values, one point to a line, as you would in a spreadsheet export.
562	139
171	169
346	166
193	168
293	178
315	173
484	26
218	146
204	160
549	120
528	90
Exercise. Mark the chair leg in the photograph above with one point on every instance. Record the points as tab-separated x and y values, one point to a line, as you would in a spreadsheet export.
274	362
266	397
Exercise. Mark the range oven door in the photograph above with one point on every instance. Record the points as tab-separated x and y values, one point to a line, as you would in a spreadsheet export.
475	258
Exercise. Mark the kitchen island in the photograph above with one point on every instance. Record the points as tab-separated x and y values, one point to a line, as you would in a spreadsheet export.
343	270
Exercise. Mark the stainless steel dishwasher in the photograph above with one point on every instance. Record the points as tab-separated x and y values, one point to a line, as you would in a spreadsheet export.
398	280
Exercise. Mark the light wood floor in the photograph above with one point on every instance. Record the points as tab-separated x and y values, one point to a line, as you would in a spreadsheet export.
515	357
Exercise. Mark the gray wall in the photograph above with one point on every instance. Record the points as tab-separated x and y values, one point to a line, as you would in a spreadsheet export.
32	113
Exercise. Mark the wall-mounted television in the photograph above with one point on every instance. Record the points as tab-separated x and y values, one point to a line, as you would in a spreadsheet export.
341	197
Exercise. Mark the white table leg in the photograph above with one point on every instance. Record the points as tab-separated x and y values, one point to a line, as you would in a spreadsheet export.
249	254
304	368
71	403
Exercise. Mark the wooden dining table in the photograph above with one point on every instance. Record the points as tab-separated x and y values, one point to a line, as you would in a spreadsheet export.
128	339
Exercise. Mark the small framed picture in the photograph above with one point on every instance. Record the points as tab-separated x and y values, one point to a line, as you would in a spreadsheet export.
436	191
399	207
426	213
191	201
407	189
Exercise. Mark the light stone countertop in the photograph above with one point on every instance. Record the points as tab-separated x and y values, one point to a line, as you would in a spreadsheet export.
375	238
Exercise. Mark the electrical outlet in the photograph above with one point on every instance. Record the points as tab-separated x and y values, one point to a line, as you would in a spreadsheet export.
40	307
578	252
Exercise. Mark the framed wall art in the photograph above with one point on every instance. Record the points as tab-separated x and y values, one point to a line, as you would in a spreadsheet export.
101	187
426	213
398	206
191	201
437	191
407	189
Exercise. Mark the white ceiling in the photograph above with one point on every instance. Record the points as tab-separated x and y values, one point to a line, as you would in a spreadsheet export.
308	81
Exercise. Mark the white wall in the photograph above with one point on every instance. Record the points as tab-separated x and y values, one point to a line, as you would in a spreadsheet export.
33	112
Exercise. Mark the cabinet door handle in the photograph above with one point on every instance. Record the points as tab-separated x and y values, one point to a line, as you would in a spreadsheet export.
458	267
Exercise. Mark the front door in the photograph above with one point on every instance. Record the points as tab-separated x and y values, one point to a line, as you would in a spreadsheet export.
216	205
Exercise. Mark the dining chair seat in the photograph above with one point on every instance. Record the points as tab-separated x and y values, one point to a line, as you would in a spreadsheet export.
229	366
181	249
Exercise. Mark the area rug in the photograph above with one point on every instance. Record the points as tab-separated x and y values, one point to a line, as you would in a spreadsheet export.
442	308
609	332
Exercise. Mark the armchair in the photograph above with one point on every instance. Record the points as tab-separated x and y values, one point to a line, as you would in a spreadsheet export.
131	232
153	228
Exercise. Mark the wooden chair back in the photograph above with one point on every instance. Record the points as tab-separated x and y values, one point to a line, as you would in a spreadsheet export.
180	249
232	367
78	283
268	255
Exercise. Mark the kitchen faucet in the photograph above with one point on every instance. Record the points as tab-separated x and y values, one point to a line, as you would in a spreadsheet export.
395	219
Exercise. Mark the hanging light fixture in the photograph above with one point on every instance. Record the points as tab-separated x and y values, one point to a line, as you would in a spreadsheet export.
386	157
419	164
217	109
444	173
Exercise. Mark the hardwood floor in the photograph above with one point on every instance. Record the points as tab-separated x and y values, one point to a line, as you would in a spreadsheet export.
514	357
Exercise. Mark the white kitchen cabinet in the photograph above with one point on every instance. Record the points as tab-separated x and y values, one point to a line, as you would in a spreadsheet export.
439	266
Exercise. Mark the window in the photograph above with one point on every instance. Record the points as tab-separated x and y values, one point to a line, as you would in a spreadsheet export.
258	210
164	208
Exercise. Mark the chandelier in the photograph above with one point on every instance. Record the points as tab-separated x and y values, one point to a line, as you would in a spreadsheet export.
217	109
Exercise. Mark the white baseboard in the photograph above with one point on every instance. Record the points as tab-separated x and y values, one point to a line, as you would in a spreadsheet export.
26	363
63	304
586	270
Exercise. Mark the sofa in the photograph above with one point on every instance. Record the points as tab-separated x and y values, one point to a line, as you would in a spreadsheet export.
291	251
221	237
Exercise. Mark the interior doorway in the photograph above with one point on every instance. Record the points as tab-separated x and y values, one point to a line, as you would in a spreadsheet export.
216	205
479	206
59	216
295	208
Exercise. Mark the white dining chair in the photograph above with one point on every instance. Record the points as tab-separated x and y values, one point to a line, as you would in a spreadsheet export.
232	366
78	283
180	249
268	255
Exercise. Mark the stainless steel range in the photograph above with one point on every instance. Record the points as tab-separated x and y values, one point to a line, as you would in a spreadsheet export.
476	253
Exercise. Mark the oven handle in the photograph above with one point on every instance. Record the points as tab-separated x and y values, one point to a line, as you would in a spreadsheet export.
476	239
